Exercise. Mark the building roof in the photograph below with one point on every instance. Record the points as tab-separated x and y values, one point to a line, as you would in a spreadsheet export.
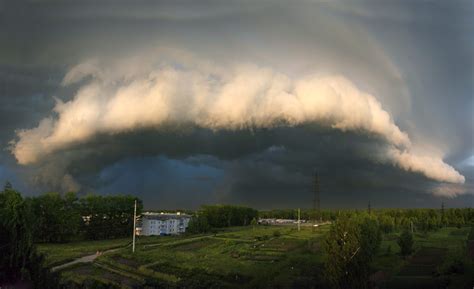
164	216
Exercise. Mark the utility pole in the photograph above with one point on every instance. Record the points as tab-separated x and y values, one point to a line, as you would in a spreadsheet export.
370	208
134	225
299	220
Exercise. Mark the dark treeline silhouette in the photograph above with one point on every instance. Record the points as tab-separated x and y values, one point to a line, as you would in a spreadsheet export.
62	218
21	266
220	216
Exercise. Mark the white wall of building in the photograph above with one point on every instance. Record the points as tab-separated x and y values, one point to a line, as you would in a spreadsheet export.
170	224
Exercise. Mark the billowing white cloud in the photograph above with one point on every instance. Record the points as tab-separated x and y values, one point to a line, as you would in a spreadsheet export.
450	190
236	97
432	167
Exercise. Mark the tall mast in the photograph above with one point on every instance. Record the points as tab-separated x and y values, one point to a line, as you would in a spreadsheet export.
316	202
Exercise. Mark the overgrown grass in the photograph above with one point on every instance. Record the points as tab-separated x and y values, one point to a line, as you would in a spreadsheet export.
61	253
251	257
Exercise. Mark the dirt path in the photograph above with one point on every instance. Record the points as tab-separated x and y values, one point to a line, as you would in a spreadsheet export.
84	259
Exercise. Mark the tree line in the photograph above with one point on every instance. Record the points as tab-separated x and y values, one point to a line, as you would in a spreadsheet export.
220	216
57	218
389	219
62	218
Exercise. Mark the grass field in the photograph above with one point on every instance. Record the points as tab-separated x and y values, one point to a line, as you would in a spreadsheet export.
246	257
61	253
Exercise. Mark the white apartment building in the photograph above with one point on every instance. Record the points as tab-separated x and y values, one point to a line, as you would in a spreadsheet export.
163	223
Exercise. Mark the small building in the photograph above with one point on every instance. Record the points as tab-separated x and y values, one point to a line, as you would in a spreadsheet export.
273	221
153	224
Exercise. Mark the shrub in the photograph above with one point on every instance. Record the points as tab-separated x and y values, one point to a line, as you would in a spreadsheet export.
406	243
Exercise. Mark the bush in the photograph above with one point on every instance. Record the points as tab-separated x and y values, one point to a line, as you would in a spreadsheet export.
351	245
263	238
406	243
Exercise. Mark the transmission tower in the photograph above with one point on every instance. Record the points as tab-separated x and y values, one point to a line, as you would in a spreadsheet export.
443	218
316	201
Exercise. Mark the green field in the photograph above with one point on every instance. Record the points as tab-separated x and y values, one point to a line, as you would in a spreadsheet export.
260	257
60	253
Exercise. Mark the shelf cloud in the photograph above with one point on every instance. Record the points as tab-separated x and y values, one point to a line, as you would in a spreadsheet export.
238	97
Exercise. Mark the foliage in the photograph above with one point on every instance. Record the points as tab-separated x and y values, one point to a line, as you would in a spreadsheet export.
424	220
62	218
198	224
254	222
305	214
107	217
351	246
57	218
406	243
237	259
220	216
19	261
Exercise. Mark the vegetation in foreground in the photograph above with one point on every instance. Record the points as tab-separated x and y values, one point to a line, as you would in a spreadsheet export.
280	257
416	248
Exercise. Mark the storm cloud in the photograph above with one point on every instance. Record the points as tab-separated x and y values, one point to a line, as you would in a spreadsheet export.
239	101
239	98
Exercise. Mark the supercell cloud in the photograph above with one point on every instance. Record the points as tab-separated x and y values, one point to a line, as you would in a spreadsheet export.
234	98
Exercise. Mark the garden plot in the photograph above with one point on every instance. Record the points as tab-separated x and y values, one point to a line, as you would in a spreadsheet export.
419	272
88	272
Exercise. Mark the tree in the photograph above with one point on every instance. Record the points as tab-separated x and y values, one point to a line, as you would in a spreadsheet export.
351	245
253	223
198	224
107	217
8	186
405	241
219	216
19	261
57	218
342	246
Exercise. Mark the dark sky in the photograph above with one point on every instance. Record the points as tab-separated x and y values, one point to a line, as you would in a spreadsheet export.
186	103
